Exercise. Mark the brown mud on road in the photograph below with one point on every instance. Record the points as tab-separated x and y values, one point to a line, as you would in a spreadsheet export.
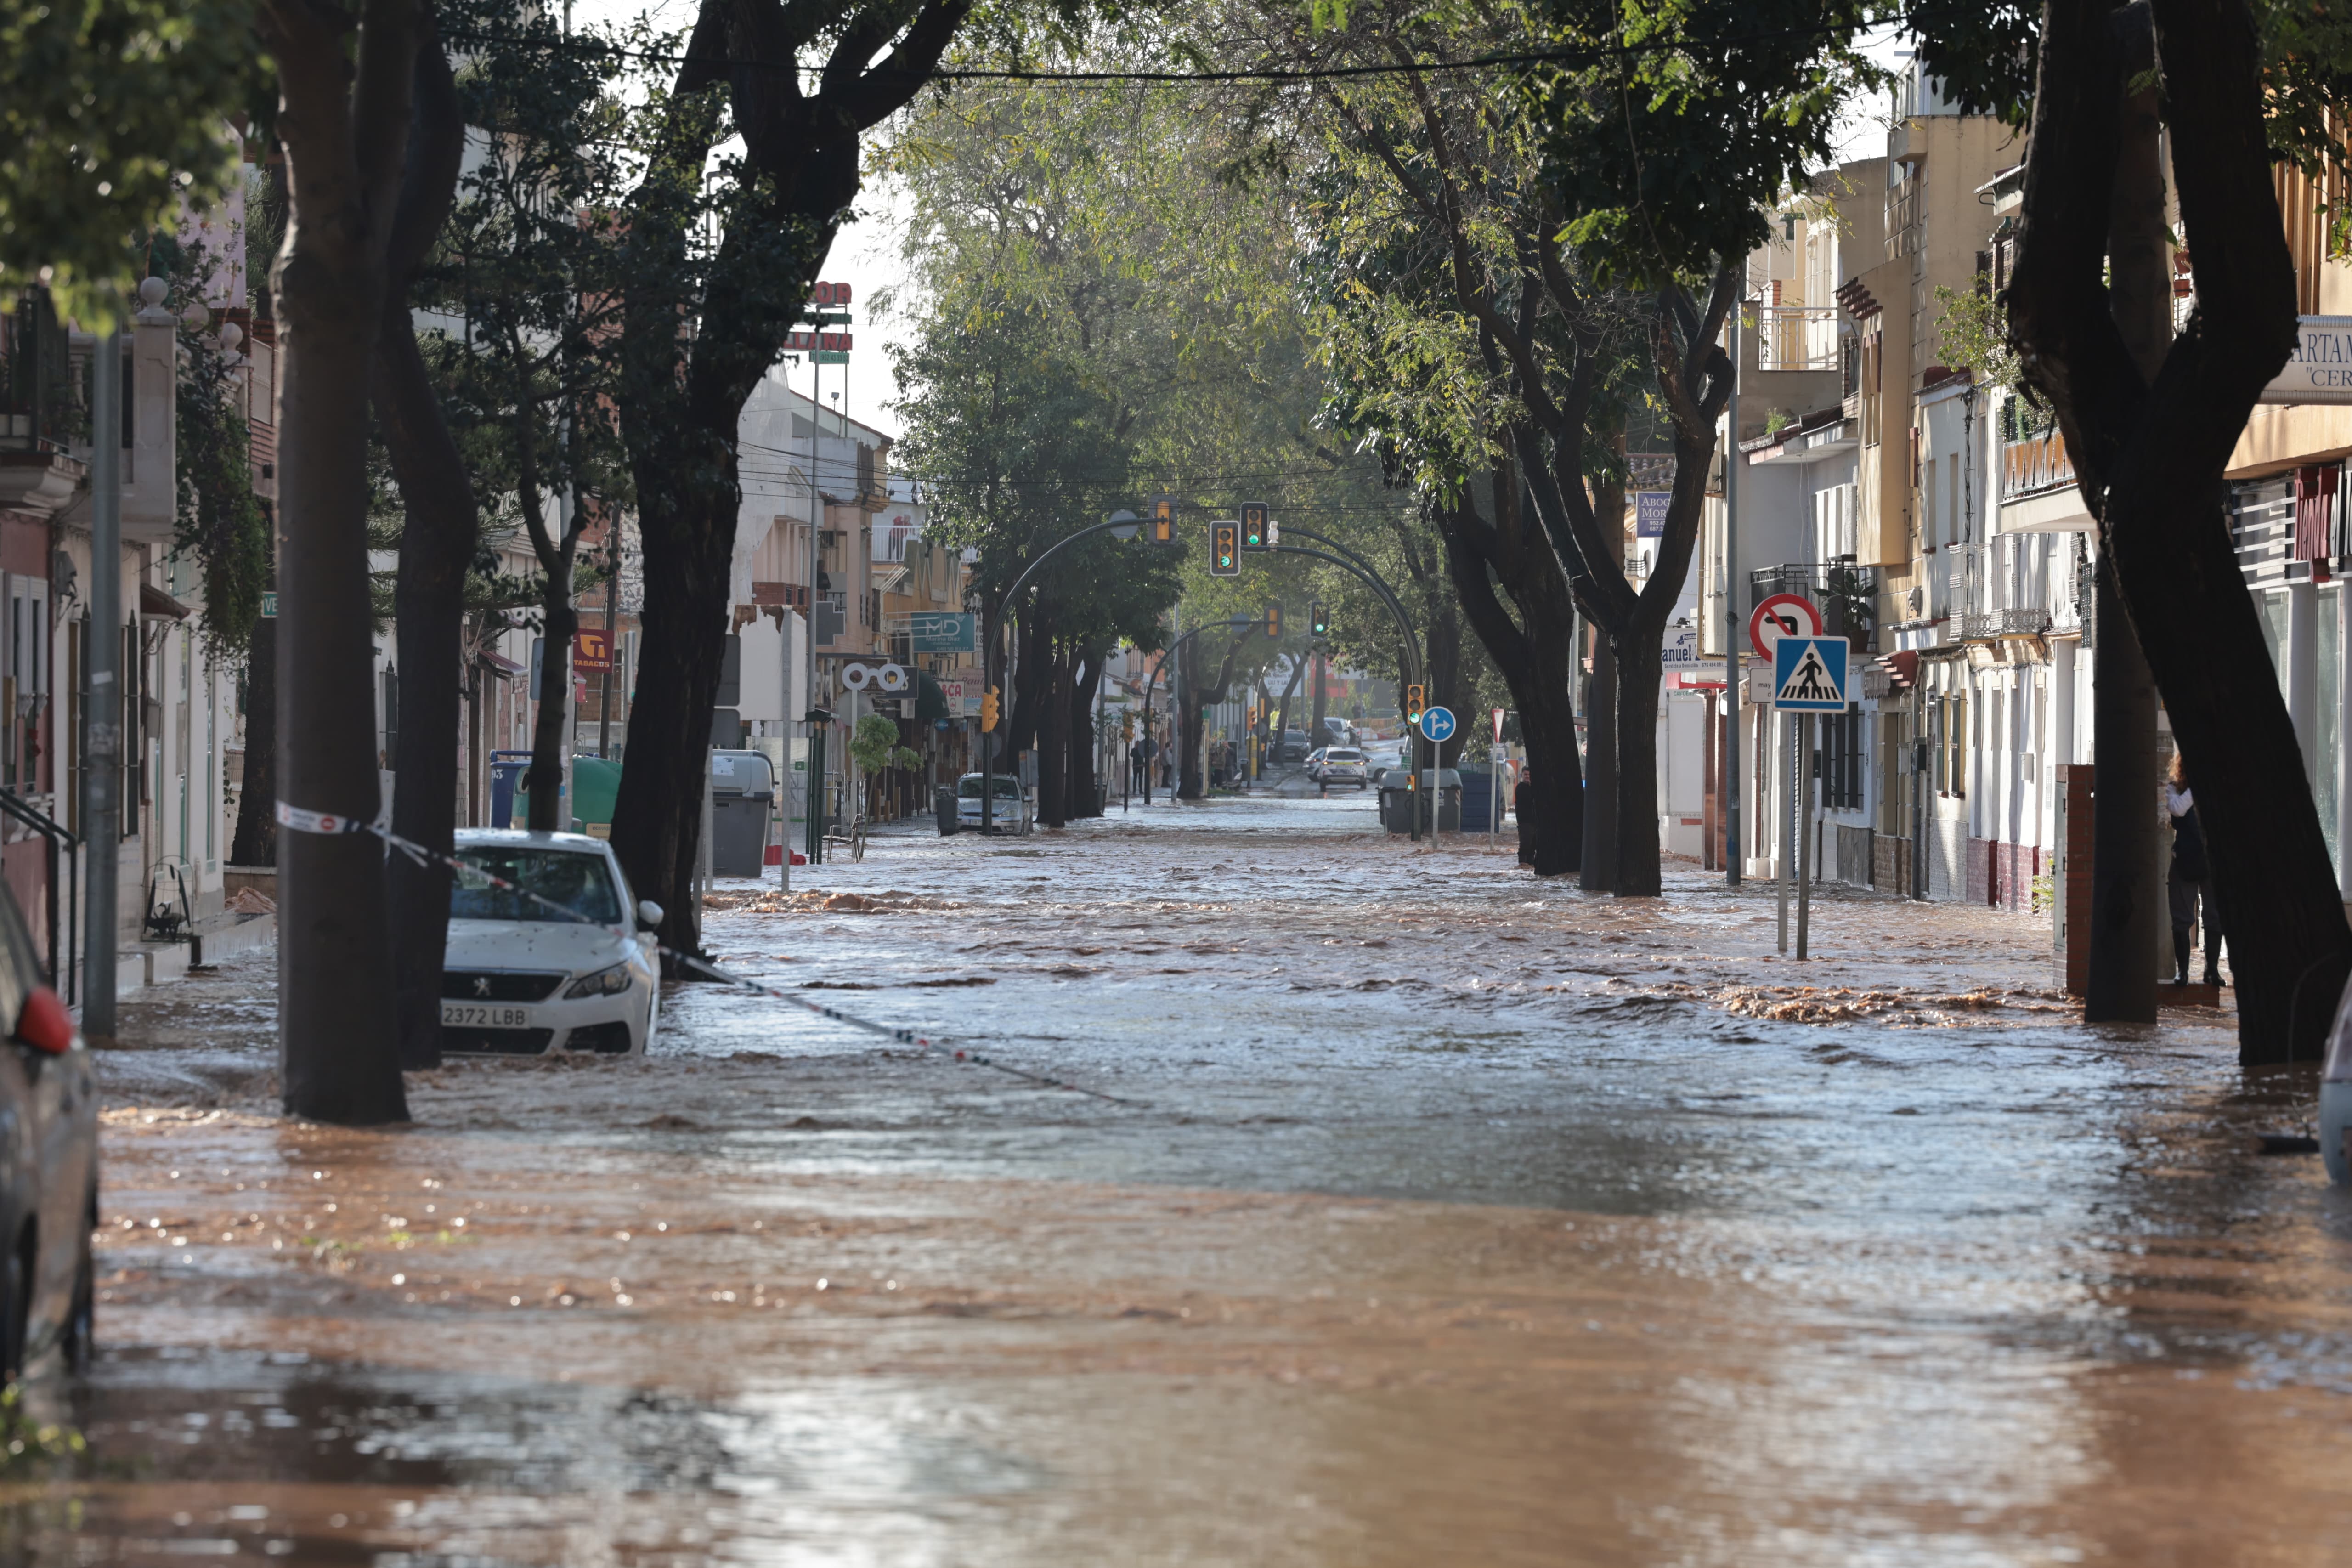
1445	1218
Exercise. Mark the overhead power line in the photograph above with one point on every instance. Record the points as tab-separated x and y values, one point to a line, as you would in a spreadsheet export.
1591	55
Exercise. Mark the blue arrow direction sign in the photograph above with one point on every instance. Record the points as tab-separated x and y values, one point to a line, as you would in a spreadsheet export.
1809	674
1437	723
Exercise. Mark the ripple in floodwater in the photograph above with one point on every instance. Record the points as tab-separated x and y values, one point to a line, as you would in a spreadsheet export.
1449	1217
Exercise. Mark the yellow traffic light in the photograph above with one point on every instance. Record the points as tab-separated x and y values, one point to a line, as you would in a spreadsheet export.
1225	549
1414	702
1163	520
1274	621
988	709
1257	526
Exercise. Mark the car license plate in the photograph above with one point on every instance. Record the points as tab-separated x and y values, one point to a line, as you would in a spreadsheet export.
484	1015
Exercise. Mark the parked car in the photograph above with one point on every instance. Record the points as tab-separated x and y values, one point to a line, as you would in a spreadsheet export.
1343	764
1315	762
1011	809
1338	732
520	979
49	1165
1291	748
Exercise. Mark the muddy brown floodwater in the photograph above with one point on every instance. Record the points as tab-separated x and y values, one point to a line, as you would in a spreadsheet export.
1439	1217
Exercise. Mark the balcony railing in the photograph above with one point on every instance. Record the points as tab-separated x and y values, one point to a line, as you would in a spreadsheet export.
1993	623
2033	465
1797	337
1846	594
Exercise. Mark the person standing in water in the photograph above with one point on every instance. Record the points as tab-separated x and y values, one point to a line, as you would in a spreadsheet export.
2190	883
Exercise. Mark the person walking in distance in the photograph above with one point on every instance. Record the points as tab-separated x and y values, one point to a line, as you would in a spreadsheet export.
1521	795
2189	884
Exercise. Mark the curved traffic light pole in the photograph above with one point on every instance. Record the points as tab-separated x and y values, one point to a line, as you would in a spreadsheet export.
1347	561
988	656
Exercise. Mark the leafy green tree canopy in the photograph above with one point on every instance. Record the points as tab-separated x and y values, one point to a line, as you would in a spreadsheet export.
112	114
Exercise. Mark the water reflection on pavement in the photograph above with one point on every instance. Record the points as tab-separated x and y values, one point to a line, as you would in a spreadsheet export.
1449	1218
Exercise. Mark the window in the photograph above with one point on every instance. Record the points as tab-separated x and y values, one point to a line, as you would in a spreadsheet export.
574	880
1839	763
1956	734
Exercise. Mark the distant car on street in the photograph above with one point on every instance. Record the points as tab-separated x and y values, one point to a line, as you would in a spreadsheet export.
1012	811
1291	748
519	978
1338	732
1342	764
49	1165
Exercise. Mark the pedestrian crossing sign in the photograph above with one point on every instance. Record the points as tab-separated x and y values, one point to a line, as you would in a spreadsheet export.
1809	674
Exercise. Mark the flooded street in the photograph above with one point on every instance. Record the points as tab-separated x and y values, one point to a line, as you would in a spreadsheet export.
1404	1211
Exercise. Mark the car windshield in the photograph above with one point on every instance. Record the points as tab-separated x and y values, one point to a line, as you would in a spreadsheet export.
575	880
1007	788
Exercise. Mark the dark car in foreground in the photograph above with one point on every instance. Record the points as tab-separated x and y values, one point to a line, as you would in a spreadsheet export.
49	1165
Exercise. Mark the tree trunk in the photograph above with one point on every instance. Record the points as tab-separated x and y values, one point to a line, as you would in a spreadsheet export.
689	366
344	125
1282	709
255	842
1600	851
1084	792
1189	769
551	731
657	818
1536	656
1054	740
2127	887
437	549
2149	459
1600	768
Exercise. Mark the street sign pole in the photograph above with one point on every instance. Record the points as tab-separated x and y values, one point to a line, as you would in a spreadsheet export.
1731	597
1810	675
1787	820
1804	832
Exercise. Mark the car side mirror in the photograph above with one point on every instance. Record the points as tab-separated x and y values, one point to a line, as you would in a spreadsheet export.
649	914
44	1024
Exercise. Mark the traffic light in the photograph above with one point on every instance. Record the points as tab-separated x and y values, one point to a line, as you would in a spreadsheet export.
1414	702
1274	621
988	709
1225	549
1258	529
1163	520
1319	620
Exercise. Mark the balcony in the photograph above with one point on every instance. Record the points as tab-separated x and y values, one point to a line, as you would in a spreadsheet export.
1798	337
1846	594
2035	464
2012	623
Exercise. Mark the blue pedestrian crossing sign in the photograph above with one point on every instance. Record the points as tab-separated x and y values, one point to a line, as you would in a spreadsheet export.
1809	674
1437	723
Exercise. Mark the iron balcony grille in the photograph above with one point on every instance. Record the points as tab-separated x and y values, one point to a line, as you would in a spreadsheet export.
2004	623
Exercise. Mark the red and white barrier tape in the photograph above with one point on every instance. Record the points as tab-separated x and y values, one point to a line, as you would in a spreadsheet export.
323	822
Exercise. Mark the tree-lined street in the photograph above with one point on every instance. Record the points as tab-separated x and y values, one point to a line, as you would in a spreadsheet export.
906	783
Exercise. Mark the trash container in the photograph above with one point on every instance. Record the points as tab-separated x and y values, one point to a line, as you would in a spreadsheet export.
1447	784
1477	801
1396	800
943	802
742	788
506	768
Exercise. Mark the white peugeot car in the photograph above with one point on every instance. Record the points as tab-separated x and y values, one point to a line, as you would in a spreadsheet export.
520	979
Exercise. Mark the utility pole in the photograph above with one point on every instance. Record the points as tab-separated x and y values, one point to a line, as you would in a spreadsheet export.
102	715
1732	629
